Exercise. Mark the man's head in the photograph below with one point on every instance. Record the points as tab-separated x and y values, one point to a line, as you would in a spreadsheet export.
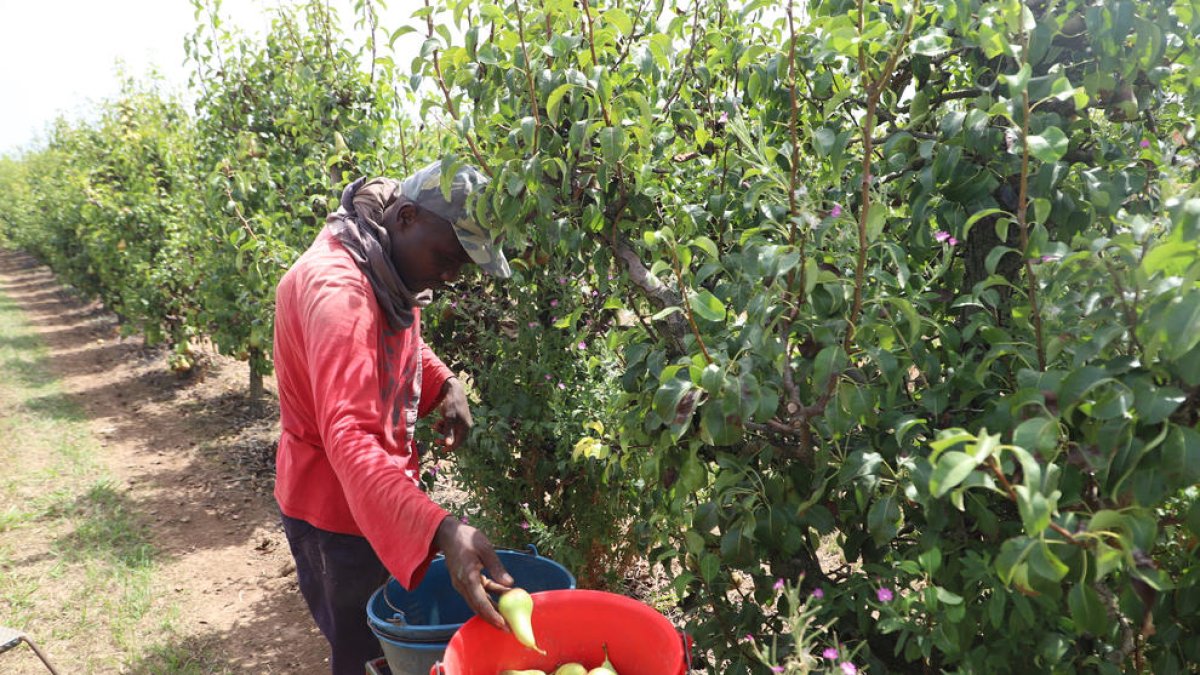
432	237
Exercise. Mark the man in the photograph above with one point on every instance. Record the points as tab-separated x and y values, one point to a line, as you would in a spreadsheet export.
353	376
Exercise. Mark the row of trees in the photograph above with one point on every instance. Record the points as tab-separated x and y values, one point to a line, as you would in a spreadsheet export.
894	302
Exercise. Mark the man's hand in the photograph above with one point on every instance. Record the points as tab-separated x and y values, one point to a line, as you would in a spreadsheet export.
468	552
456	414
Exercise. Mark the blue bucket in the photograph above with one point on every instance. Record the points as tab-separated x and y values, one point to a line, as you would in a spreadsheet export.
415	626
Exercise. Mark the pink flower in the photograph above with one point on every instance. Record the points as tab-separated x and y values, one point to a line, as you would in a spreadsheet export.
1145	143
465	519
533	324
724	117
830	653
849	668
582	345
561	385
836	210
524	525
776	669
885	594
748	638
778	585
547	376
818	593
941	236
554	303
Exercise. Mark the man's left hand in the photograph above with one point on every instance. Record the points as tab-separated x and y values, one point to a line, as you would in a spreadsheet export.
456	414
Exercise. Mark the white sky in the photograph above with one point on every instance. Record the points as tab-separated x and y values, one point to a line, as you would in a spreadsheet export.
60	56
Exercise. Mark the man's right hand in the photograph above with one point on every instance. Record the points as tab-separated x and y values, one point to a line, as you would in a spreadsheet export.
468	553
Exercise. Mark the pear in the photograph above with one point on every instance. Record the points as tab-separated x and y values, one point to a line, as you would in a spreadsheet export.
516	606
605	668
522	672
571	669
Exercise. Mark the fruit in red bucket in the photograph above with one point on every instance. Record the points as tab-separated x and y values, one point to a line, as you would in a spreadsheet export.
571	669
516	606
605	668
522	672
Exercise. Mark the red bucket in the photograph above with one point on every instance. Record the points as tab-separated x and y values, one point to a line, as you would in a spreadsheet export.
573	626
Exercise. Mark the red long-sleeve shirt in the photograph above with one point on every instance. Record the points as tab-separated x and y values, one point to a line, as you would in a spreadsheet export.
350	392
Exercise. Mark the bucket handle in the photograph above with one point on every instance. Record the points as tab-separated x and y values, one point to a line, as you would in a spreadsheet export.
437	669
532	550
687	651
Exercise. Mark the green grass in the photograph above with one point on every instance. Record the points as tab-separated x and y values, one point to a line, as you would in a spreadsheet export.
77	567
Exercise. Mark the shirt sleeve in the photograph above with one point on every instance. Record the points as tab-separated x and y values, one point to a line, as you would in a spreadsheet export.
342	327
434	374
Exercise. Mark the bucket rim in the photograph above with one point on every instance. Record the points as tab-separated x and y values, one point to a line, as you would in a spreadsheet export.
428	633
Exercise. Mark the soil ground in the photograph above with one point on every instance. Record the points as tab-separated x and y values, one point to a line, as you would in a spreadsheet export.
189	463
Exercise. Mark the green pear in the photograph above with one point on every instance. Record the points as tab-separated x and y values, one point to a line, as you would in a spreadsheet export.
522	672
516	606
606	668
571	669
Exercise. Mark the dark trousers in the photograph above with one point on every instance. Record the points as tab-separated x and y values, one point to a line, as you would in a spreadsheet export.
338	573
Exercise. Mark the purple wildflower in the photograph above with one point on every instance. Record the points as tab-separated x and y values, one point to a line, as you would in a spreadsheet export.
778	585
1145	143
776	669
524	524
884	594
849	668
724	117
582	345
465	520
830	653
818	593
547	376
942	236
554	303
533	324
836	210
748	638
561	385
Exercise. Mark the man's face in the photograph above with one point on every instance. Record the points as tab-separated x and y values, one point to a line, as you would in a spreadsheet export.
425	250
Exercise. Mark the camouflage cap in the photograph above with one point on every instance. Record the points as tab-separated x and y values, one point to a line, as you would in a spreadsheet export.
424	188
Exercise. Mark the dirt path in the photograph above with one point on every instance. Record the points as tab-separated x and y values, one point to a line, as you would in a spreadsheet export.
188	461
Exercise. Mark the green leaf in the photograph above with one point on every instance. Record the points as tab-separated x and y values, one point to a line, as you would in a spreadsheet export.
1034	509
932	43
619	19
708	307
1049	146
668	397
883	519
1018	81
948	597
400	32
1087	610
664	313
612	144
1045	564
554	101
952	469
979	215
1039	434
876	219
707	245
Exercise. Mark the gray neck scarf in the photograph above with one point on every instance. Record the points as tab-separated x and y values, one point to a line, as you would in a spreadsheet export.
359	226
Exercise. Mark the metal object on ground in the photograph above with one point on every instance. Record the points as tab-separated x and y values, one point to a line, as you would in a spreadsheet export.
10	638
